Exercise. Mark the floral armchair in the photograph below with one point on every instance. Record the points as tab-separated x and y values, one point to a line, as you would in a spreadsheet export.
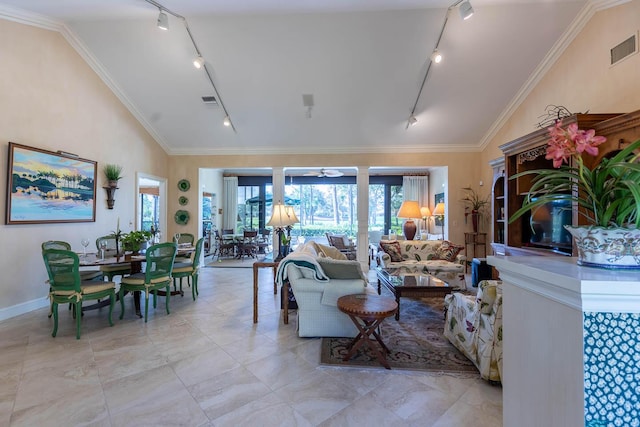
474	325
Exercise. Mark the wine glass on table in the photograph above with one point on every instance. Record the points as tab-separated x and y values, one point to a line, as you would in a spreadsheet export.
85	243
177	238
103	248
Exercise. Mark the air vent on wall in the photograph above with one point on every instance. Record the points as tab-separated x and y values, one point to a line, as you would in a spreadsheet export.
210	100
624	49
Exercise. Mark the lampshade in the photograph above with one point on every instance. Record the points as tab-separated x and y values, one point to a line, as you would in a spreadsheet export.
409	209
439	209
282	216
292	215
425	212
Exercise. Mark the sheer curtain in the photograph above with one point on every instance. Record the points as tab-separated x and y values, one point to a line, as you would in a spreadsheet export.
416	188
230	210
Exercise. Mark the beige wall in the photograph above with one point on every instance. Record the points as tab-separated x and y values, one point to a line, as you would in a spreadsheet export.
51	99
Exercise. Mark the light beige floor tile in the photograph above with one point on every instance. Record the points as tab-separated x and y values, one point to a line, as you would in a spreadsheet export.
268	410
362	412
411	399
277	371
156	395
204	366
228	391
317	396
82	406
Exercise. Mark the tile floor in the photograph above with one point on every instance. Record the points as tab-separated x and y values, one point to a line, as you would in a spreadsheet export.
207	364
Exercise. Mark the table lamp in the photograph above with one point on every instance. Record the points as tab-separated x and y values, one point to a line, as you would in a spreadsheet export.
438	211
281	218
425	212
409	210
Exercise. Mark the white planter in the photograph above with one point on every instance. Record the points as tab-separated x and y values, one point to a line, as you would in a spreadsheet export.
613	248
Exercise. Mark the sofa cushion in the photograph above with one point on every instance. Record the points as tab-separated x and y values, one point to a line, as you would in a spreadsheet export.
448	251
325	251
487	294
341	269
392	248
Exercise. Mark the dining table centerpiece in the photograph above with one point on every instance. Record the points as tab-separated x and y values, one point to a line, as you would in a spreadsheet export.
134	240
606	196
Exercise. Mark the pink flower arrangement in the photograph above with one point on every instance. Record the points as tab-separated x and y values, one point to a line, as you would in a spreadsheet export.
566	143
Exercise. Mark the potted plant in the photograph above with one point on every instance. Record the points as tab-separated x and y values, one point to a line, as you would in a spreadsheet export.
607	196
133	240
113	173
476	204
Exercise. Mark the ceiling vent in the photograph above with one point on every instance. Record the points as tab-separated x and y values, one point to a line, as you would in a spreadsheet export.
210	100
624	49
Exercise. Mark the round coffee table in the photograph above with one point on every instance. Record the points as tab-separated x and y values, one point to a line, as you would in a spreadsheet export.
367	312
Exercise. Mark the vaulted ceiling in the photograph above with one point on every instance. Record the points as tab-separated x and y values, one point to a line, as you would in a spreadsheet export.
362	60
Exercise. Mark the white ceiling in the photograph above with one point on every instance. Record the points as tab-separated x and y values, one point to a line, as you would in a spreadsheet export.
363	60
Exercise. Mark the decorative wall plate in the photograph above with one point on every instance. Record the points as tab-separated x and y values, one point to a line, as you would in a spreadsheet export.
184	185
181	217
183	200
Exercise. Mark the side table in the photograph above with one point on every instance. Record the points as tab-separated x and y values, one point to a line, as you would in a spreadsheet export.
265	263
367	313
474	241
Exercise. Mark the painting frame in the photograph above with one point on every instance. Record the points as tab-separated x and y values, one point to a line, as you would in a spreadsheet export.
45	187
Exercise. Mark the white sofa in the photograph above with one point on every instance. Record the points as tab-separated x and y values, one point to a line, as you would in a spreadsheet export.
318	276
439	258
474	325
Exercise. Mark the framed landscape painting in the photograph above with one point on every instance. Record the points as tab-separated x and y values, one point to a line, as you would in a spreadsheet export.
48	187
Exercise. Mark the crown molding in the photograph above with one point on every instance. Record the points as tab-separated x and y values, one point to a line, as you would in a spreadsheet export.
585	15
41	21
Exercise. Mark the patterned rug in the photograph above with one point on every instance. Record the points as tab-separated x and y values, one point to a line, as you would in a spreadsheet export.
416	342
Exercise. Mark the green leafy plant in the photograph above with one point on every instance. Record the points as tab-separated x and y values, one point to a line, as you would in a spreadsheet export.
473	200
112	172
133	240
607	195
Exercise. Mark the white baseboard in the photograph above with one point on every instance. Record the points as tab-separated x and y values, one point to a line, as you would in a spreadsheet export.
25	307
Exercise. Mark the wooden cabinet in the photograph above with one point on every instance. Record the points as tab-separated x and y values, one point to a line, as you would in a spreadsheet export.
528	153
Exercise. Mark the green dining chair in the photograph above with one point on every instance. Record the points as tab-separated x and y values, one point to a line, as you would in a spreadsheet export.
66	286
157	276
65	246
189	270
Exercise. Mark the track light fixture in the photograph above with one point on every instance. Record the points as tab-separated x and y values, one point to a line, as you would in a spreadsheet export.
436	56
466	11
198	62
163	21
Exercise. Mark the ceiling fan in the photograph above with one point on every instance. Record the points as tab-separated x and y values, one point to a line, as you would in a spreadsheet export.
325	173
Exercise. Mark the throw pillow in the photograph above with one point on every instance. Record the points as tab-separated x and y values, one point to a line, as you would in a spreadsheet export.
392	248
341	269
448	251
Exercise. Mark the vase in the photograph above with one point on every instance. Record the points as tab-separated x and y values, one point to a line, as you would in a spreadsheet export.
602	247
475	215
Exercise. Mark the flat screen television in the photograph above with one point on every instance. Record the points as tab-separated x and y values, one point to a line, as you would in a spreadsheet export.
547	227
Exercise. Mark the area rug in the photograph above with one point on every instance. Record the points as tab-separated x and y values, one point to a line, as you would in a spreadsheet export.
245	262
416	343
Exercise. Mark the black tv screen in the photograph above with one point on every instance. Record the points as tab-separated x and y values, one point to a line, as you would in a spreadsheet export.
547	226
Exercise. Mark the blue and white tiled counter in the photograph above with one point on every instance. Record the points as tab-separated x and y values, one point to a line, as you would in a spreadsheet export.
571	343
